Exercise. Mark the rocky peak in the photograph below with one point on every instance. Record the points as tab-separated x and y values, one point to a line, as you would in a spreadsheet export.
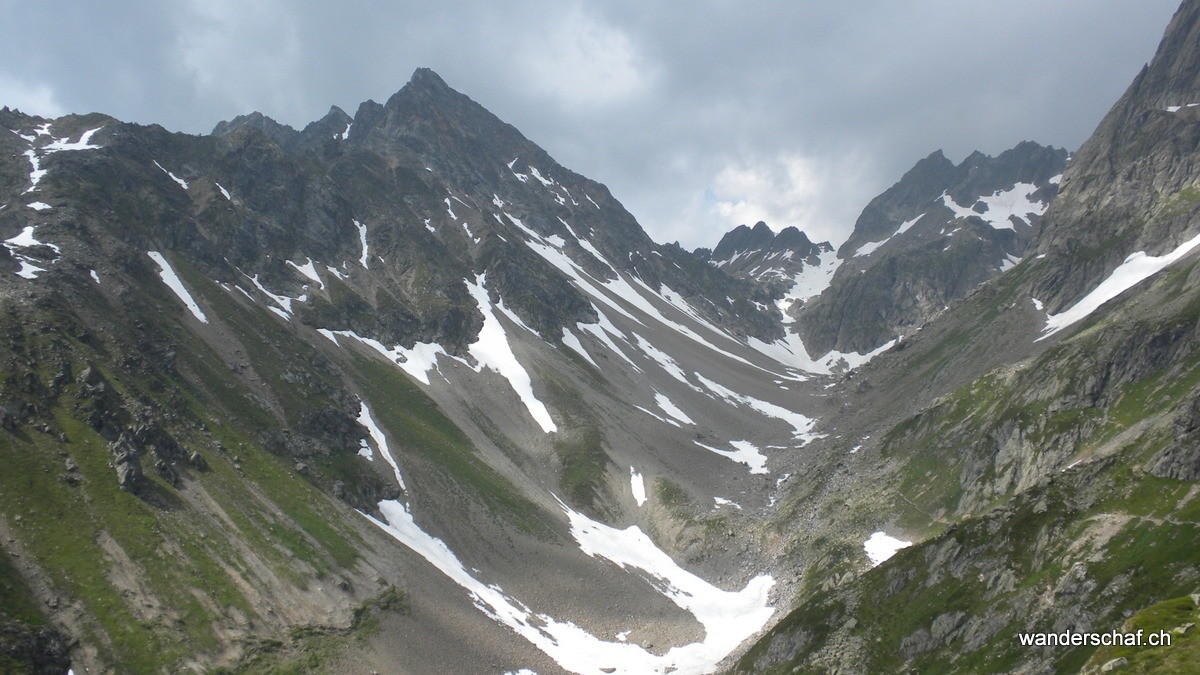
925	181
334	124
939	232
762	239
759	254
280	133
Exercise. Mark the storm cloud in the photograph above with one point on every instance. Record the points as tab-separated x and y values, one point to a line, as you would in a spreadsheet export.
698	115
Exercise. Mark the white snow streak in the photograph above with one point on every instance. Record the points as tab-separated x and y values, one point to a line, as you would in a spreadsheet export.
362	239
491	349
671	409
182	183
801	424
1137	267
176	285
282	300
365	419
569	339
744	452
309	270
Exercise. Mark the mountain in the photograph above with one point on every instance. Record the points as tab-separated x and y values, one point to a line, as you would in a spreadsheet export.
1035	441
293	389
939	232
397	392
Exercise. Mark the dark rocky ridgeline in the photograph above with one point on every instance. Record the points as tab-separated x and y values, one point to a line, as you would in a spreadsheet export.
892	281
761	255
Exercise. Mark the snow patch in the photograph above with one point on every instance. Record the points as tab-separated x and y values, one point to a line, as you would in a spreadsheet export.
744	452
880	547
362	239
569	339
26	239
284	302
668	364
417	361
810	282
1136	268
173	282
790	351
728	618
308	270
660	418
182	183
365	419
638	486
38	206
84	143
536	174
869	248
492	350
671	409
801	425
604	331
1002	206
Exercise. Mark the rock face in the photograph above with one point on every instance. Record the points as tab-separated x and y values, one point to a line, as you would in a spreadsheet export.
1131	186
927	241
1181	459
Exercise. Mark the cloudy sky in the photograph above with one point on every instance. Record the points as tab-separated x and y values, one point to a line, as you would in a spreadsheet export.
699	115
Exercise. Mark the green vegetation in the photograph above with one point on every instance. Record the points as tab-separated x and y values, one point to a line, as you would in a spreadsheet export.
1177	617
578	444
674	498
160	573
